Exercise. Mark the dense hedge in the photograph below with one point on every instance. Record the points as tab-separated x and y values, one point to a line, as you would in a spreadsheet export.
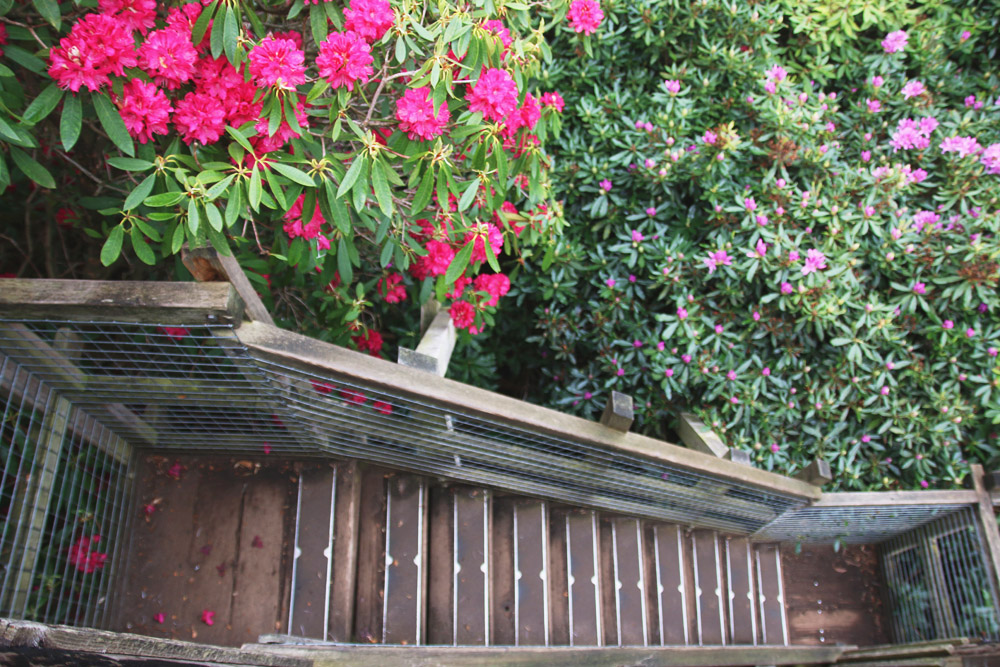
781	216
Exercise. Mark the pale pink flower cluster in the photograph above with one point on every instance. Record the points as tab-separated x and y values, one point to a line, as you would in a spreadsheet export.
895	42
911	133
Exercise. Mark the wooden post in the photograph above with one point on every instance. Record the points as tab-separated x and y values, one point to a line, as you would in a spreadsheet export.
619	413
207	265
738	456
991	536
699	437
818	472
434	351
30	533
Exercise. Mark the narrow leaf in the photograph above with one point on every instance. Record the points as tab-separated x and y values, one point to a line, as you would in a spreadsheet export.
139	194
32	169
112	123
230	34
141	248
351	177
382	193
130	164
49	10
293	174
469	195
43	105
71	121
458	264
113	246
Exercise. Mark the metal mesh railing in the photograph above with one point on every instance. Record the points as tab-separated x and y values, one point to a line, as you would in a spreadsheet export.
938	582
198	388
63	499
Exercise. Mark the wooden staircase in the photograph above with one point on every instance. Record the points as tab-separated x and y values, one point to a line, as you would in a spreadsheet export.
394	558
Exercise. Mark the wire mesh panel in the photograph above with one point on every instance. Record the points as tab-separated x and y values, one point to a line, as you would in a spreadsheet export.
938	581
196	387
63	498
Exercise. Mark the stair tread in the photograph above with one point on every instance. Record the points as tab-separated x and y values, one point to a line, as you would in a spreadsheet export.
582	549
742	621
309	611
630	594
708	583
403	617
772	606
669	550
530	583
471	566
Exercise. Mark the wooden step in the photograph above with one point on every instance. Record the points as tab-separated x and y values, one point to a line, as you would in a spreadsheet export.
672	605
773	623
370	577
630	589
309	608
582	572
739	575
708	588
403	616
471	520
531	587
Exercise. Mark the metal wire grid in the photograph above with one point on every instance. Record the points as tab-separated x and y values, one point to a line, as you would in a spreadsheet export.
198	388
938	583
868	524
63	499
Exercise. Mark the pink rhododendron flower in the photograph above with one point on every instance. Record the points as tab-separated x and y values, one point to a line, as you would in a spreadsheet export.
208	617
962	145
874	106
435	262
495	284
759	251
815	261
370	341
500	30
527	115
145	110
97	46
682	313
392	289
135	14
919	288
264	143
913	134
990	159
913	89
81	556
750	204
673	86
877	82
710	137
277	62
786	288
553	100
382	406
369	18
777	74
463	314
160	618
605	185
479	245
417	117
948	324
294	226
585	16
169	57
895	42
345	58
717	258
200	117
494	95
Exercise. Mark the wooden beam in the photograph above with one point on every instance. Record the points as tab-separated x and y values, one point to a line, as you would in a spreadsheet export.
699	437
884	498
818	472
433	353
316	356
29	634
122	301
207	265
619	412
990	534
666	656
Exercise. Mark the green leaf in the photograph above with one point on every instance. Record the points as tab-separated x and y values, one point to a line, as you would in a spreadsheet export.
234	205
49	10
230	35
386	254
240	139
8	132
24	58
201	25
71	121
490	255
141	248
112	123
130	164
341	216
382	193
32	169
424	192
43	105
255	188
318	22
139	194
215	42
214	217
293	174
194	217
274	118
458	264
164	199
113	246
351	177
344	262
177	240
469	195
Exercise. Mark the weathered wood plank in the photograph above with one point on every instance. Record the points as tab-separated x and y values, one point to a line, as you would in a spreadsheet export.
403	619
531	590
311	568
121	301
309	353
672	656
883	498
441	566
471	544
347	506
699	437
606	582
371	557
989	531
708	587
630	593
773	624
502	571
582	552
673	605
558	582
207	265
739	576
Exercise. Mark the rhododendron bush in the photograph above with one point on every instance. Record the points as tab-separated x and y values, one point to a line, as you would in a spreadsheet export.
359	157
789	232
